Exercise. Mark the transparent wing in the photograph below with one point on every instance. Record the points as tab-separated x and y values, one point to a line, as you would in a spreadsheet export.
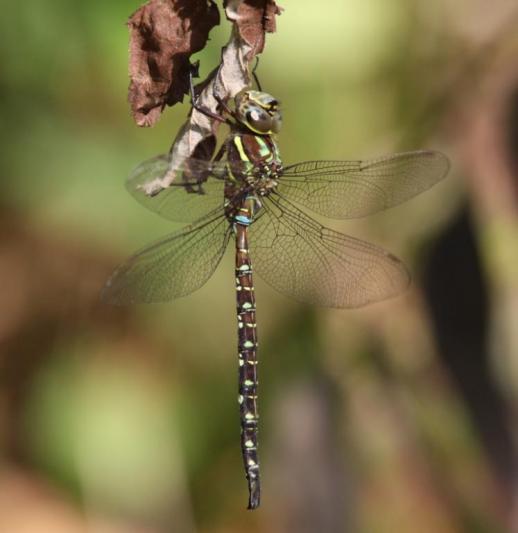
351	189
196	190
172	267
313	264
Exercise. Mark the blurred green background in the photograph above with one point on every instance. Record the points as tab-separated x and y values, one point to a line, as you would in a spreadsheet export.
393	418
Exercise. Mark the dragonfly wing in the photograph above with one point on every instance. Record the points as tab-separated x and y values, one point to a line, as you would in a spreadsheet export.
172	267
314	264
352	189
196	188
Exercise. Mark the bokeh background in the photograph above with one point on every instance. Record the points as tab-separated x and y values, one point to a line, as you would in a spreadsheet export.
399	417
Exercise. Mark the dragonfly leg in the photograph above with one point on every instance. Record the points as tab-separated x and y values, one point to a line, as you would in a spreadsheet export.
225	107
254	74
221	153
194	99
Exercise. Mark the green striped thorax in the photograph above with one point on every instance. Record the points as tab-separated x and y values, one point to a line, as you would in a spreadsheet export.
253	146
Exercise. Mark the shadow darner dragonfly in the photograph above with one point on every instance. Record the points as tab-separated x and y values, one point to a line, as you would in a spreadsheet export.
248	196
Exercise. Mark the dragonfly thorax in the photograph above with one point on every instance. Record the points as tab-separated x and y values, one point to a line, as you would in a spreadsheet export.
254	165
264	178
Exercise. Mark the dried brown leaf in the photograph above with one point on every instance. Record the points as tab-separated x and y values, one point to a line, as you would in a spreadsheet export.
271	11
163	36
252	19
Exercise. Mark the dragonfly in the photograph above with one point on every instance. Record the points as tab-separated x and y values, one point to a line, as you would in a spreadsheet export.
246	195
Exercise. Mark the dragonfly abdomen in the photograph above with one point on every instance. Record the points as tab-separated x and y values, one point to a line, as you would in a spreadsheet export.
247	358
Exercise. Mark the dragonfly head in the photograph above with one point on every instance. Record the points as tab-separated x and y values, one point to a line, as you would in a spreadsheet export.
258	111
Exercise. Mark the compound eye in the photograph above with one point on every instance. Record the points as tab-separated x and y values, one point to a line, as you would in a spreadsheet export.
259	120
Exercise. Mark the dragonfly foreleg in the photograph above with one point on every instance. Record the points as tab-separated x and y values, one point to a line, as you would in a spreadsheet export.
195	99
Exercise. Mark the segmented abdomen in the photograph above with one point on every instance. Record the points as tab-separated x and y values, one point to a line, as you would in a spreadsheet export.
247	353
